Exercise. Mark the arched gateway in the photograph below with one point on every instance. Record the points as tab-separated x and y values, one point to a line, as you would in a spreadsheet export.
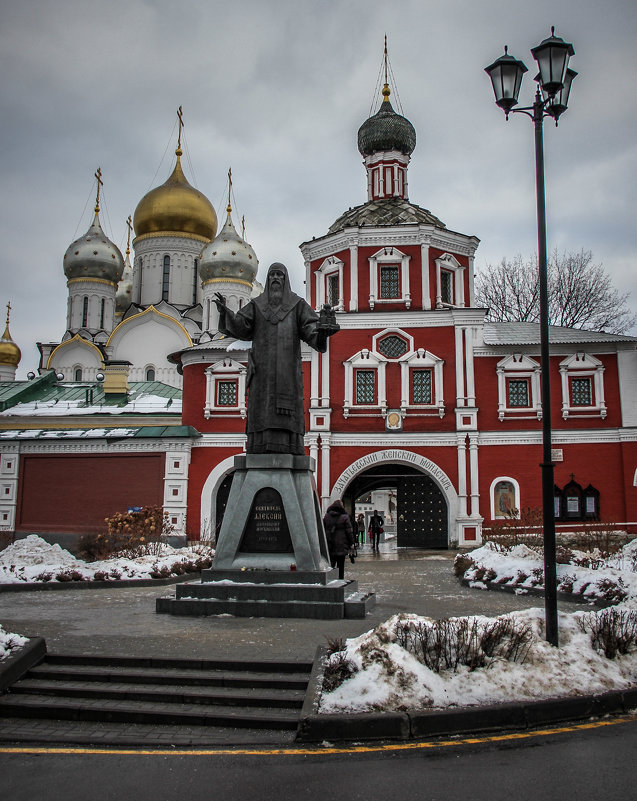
427	501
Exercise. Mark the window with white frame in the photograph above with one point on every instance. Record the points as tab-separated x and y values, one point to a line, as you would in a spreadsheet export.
519	387
225	388
329	283
449	281
421	378
582	386
389	277
365	389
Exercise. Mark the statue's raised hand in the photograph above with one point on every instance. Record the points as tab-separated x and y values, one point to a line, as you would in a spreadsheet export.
220	301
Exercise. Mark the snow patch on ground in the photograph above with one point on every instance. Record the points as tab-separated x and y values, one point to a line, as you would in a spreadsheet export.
32	559
10	643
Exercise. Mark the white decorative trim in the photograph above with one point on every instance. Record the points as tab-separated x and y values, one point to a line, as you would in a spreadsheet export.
389	255
449	263
516	490
330	266
583	365
519	366
208	506
364	360
222	370
422	359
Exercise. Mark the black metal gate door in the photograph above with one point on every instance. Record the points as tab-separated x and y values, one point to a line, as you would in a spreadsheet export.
422	514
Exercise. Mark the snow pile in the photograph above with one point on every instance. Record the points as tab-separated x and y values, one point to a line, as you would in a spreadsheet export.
10	643
589	575
32	559
387	676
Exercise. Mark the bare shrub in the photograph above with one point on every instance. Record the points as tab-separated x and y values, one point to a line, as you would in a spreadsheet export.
512	530
602	538
612	631
44	576
447	643
461	564
612	591
129	535
69	575
338	667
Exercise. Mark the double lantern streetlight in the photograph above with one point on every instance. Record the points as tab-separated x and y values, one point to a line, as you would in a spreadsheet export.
551	100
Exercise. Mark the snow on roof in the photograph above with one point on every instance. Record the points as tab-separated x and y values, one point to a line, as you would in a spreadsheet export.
517	333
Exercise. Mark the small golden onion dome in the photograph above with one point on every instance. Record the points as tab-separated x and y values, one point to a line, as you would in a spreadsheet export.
9	352
228	257
175	207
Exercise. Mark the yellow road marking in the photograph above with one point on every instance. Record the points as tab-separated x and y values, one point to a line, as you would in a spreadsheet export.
317	750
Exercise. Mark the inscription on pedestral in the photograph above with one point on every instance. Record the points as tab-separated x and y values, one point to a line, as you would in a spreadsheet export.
266	529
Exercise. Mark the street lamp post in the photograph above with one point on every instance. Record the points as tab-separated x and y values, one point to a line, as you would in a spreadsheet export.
551	99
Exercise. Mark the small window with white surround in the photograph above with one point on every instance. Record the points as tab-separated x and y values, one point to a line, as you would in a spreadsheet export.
225	389
389	278
582	378
519	388
421	379
329	284
364	384
449	281
505	498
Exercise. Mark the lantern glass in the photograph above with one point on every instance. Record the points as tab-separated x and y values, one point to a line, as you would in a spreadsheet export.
558	105
552	57
506	77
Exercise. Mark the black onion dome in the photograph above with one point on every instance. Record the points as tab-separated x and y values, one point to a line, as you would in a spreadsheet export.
386	130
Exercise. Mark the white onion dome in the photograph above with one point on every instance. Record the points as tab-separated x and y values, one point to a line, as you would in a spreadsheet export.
228	257
386	130
124	296
175	208
94	256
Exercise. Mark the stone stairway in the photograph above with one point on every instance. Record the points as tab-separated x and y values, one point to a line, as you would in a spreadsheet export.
161	692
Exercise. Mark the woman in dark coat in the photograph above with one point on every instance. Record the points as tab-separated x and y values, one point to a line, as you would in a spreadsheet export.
340	539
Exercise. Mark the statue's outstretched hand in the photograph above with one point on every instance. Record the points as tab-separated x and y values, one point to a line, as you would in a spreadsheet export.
327	321
220	301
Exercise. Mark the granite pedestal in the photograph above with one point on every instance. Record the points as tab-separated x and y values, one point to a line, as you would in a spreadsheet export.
272	558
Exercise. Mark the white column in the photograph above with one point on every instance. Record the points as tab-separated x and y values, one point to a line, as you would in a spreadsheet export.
426	289
471	389
462	475
460	393
473	466
353	277
325	377
325	470
314	378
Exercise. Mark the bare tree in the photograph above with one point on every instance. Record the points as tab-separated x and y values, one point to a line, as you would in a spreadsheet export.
581	294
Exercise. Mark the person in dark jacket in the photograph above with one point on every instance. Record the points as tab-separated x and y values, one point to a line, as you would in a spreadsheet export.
375	529
340	539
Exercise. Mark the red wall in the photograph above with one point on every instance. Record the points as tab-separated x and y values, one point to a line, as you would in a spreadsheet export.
74	493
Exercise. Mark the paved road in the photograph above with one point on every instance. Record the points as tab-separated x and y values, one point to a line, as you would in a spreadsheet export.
587	764
123	621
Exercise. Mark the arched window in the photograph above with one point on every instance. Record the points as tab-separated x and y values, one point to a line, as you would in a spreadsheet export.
77	374
194	282
85	312
165	278
150	374
505	498
102	310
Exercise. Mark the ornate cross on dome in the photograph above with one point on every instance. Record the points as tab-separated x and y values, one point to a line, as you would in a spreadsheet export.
229	209
129	224
100	183
180	116
8	312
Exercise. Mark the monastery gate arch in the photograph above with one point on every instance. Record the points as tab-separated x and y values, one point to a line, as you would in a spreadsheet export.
427	501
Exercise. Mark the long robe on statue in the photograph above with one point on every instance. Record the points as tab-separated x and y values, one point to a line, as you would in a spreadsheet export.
276	421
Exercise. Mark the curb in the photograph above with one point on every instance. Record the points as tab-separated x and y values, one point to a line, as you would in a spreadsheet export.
413	724
97	585
18	663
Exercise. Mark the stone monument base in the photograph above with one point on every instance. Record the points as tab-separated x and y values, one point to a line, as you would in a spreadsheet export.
271	558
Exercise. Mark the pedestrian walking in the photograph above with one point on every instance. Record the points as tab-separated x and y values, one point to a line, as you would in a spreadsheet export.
360	528
340	537
375	529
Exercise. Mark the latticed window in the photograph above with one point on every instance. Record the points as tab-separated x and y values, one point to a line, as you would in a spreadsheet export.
389	282
518	392
333	289
446	286
226	393
165	278
581	392
365	386
392	347
421	386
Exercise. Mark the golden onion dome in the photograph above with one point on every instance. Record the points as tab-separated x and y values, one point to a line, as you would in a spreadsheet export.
10	353
175	207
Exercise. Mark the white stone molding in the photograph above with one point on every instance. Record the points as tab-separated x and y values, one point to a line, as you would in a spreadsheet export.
424	265
353	278
516	490
176	488
225	370
451	264
331	266
9	473
364	360
422	359
519	366
208	506
583	365
388	256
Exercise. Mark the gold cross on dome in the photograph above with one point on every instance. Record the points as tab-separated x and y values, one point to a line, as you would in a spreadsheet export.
100	184
180	115
129	224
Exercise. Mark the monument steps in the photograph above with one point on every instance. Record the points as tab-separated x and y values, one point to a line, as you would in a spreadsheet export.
233	694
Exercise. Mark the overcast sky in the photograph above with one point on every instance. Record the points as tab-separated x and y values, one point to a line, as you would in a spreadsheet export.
277	90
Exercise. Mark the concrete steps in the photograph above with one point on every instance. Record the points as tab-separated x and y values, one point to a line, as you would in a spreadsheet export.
246	695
